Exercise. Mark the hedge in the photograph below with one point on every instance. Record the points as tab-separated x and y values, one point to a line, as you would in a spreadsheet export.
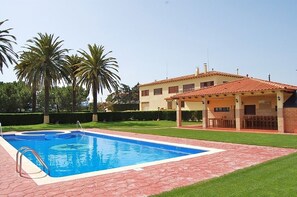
21	119
68	117
124	107
149	115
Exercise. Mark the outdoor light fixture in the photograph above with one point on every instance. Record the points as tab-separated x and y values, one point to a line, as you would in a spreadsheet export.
236	100
278	98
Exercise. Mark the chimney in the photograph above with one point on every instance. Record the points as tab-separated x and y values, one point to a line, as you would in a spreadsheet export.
268	77
205	67
197	71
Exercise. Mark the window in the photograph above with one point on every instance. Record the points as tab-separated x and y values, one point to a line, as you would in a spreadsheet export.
221	109
169	104
145	92
188	87
206	84
173	89
158	91
250	110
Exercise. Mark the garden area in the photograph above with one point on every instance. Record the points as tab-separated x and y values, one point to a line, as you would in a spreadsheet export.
273	178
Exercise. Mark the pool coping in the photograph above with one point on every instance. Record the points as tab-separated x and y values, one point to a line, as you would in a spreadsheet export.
149	181
41	178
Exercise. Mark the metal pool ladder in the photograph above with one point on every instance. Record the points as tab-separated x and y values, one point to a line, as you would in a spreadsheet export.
79	126
19	159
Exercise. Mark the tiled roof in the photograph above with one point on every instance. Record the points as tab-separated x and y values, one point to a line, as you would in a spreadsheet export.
239	86
193	76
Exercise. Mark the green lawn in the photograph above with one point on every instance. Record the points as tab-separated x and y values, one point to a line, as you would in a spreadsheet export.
274	178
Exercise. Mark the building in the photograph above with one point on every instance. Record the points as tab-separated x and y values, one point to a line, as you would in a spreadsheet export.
156	95
246	103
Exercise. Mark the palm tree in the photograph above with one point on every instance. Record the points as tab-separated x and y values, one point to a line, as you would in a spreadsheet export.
6	50
98	72
49	61
27	70
73	62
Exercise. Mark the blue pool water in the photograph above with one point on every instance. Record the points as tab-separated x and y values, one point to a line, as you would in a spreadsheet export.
76	152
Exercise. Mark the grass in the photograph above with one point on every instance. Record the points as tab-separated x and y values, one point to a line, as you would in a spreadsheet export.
274	178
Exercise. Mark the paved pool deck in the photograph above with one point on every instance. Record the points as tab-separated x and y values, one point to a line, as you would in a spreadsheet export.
151	180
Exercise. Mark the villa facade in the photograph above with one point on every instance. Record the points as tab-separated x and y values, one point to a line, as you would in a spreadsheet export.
156	95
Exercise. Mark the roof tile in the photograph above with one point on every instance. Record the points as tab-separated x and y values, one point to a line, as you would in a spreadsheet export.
239	86
193	76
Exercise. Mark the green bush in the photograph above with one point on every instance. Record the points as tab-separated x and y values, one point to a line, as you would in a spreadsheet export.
148	115
21	118
70	117
124	107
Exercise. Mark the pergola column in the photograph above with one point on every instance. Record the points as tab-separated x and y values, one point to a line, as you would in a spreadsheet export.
280	111
204	114
178	114
238	109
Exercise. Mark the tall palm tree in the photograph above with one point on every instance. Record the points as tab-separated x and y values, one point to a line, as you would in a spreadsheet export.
27	70
6	49
49	61
73	62
98	72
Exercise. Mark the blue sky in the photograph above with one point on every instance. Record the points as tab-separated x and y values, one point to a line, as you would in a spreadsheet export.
155	39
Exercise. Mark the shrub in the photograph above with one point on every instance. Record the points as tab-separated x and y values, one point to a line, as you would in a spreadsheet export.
21	118
70	117
148	115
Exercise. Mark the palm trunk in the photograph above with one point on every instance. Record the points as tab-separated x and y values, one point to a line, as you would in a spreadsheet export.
46	100
34	98
94	89
74	95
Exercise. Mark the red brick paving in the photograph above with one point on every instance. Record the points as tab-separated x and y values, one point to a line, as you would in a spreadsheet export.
151	180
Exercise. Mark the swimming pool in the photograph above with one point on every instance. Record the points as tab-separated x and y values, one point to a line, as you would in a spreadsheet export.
72	153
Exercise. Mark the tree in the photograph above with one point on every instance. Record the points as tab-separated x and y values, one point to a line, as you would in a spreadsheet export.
14	97
6	49
49	61
73	62
27	70
60	97
125	95
98	72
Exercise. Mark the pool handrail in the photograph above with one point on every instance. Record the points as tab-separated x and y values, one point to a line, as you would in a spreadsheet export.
1	134
22	151
79	125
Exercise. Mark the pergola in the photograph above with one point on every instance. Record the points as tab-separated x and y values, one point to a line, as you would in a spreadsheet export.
236	95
